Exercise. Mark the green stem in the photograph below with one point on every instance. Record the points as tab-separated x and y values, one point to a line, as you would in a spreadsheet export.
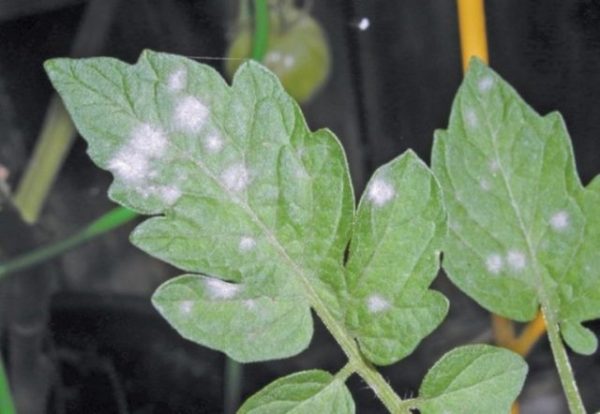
561	359
50	151
260	39
107	222
6	403
233	385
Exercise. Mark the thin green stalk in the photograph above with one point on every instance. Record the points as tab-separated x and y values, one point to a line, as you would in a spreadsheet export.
260	38
107	222
233	385
6	403
50	151
561	359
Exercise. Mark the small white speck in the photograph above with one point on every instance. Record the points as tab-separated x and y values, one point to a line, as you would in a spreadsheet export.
364	24
190	114
249	304
288	61
485	84
484	184
376	303
494	166
219	289
560	220
247	244
471	118
516	259
494	263
177	80
186	307
380	192
213	143
236	178
170	194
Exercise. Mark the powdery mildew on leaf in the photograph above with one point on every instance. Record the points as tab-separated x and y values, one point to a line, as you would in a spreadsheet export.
533	225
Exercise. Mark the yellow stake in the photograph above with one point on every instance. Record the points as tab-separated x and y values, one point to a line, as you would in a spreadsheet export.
473	38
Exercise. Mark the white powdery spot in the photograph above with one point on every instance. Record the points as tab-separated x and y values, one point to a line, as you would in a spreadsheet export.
247	244
219	289
364	24
494	166
147	140
516	259
376	303
186	307
471	118
190	114
130	166
494	263
170	194
288	61
249	304
485	84
177	80
213	143
485	184
380	192
236	177
560	220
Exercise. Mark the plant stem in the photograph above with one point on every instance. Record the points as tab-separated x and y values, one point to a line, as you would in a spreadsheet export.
107	222
6	403
260	39
562	363
233	385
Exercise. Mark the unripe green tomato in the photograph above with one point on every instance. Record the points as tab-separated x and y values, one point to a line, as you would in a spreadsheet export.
299	55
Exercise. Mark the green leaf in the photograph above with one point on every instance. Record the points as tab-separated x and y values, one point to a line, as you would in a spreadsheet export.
306	392
394	256
523	230
473	379
242	192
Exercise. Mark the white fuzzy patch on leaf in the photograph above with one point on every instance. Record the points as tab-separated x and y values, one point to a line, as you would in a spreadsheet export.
471	118
236	178
376	303
247	243
485	84
177	80
559	220
170	194
186	307
218	289
213	143
380	192
190	114
494	263
516	259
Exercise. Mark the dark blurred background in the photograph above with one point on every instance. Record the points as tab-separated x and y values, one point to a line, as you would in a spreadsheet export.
78	333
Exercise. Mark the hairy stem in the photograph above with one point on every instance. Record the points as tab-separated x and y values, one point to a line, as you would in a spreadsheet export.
260	39
562	363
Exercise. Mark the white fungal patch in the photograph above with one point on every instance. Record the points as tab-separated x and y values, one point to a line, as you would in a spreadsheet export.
494	166
186	307
485	84
236	178
213	143
218	289
288	61
246	244
471	118
559	220
363	24
249	304
131	167
485	184
494	263
177	80
516	259
147	140
190	114
170	194
376	304
380	192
